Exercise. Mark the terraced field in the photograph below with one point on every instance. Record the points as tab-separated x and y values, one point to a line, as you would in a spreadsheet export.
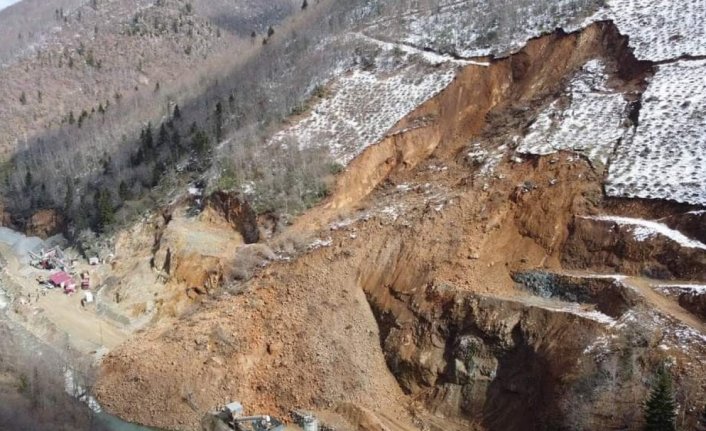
666	158
661	30
368	101
475	28
587	118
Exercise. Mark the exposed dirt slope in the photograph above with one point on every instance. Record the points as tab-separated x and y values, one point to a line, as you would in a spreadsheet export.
408	313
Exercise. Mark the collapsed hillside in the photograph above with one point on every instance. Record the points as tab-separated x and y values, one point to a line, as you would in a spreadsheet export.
404	314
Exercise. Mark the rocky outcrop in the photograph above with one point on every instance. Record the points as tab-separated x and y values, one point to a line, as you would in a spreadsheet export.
610	247
45	223
236	211
694	301
480	357
608	294
692	223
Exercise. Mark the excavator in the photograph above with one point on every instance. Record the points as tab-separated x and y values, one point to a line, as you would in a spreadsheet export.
231	418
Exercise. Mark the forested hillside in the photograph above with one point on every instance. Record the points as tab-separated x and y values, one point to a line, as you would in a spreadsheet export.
97	95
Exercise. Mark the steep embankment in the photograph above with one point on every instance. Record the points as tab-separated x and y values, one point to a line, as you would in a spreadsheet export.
511	87
408	313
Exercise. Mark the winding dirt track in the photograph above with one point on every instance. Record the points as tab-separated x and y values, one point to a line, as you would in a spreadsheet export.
664	304
659	302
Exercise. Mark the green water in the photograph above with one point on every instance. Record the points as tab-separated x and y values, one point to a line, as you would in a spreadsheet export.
116	424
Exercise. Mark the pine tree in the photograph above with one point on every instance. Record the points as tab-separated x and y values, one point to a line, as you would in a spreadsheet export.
123	191
157	172
305	4
177	112
104	209
660	407
176	141
69	198
147	142
218	126
270	32
200	142
163	136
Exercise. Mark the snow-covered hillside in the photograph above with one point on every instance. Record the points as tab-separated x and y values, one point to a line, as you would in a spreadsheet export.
588	118
666	159
660	29
475	28
369	100
661	158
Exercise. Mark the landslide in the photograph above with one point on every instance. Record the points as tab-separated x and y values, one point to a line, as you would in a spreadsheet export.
511	87
410	319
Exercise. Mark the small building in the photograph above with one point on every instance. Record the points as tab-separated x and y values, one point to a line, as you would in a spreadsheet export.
63	280
93	261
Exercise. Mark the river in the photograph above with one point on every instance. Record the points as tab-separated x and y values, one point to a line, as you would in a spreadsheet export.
116	424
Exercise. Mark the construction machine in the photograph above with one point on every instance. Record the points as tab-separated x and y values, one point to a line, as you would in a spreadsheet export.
232	416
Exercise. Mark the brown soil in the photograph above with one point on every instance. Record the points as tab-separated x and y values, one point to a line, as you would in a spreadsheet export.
410	318
589	246
45	223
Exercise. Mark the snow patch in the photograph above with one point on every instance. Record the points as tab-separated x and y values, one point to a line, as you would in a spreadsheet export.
319	243
600	345
698	289
594	315
616	277
4	300
645	229
76	390
195	191
428	56
391	211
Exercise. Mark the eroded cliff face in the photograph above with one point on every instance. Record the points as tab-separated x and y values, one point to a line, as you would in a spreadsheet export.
405	314
613	247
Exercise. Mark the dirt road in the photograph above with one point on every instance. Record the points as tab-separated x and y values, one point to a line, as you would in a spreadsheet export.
664	304
659	302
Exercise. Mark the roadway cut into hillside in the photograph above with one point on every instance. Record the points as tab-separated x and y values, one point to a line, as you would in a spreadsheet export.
404	313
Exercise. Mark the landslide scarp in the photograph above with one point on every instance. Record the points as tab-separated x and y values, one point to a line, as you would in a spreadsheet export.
404	310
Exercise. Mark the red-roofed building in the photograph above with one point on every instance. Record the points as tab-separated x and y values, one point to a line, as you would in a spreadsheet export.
63	280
